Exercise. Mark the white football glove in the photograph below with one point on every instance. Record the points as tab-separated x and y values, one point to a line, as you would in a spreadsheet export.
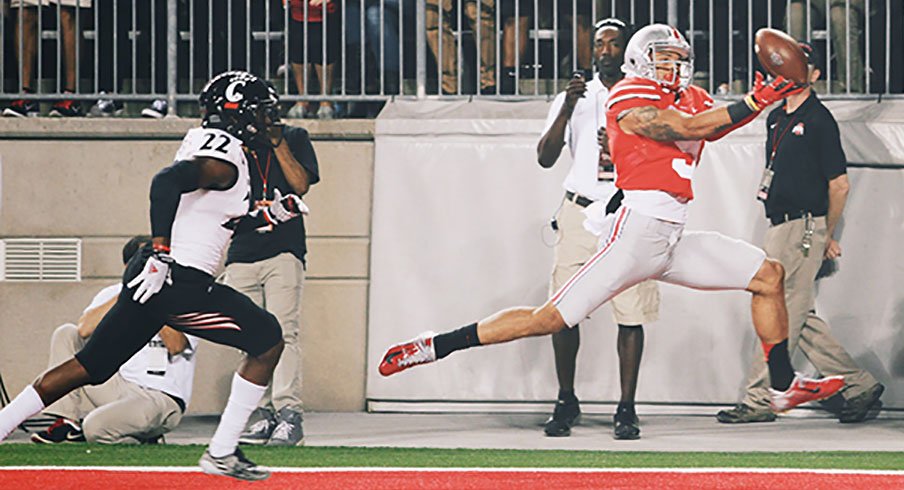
150	281
284	208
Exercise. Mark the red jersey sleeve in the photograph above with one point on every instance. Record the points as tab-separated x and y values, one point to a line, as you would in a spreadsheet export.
633	92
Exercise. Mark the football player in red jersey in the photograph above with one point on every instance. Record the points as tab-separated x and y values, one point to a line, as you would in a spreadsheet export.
657	124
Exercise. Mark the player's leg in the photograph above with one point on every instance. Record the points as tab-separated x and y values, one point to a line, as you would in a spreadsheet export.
121	333
632	309
616	267
224	316
711	261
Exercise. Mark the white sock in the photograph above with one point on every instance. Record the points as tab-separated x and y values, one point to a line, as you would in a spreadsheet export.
25	405
243	399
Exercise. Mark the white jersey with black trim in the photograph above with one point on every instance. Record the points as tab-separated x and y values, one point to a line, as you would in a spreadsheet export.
198	238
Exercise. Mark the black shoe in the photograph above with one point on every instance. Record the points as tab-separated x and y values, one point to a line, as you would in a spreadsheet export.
743	414
864	406
62	430
21	108
565	416
626	424
66	108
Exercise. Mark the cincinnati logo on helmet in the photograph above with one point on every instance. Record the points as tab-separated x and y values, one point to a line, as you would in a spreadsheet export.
231	94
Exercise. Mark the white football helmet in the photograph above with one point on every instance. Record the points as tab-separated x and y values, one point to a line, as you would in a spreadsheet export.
640	55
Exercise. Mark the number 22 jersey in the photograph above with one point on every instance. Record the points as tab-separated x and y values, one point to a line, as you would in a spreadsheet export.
198	238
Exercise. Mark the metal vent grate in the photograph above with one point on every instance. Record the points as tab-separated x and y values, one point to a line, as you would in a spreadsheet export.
41	259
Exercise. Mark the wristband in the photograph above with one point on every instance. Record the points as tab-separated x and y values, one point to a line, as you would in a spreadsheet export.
159	247
740	110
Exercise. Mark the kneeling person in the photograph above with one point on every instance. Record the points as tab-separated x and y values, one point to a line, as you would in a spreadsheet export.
143	401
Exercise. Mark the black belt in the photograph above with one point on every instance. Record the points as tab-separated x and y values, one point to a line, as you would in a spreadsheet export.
578	199
786	217
176	399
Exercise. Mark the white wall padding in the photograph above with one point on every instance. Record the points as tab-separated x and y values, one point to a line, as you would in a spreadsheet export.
459	210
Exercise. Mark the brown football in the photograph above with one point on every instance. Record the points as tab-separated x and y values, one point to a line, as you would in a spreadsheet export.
780	55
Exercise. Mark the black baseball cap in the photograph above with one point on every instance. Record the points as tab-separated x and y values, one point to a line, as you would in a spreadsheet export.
814	57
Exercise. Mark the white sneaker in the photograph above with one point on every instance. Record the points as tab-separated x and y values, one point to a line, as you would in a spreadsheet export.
296	112
326	112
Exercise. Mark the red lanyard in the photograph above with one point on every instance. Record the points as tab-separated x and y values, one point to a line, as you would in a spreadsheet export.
776	141
264	173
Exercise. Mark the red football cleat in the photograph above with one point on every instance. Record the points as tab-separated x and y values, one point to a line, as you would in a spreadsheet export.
803	390
405	355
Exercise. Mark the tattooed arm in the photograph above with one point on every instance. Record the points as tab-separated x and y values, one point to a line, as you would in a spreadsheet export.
672	125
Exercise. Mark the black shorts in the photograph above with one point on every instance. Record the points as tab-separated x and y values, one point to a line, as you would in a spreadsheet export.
315	39
193	304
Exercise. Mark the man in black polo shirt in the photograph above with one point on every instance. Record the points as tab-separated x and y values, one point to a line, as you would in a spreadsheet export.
804	189
268	267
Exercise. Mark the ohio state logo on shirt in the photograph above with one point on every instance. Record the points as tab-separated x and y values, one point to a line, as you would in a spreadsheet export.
798	129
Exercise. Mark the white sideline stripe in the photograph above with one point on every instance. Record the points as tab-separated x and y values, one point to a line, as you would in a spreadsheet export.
359	469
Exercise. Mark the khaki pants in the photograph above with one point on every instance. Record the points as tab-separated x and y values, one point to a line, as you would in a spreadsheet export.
116	412
634	306
448	59
805	329
276	284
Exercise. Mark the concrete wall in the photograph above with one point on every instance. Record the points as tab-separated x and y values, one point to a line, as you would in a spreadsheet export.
89	179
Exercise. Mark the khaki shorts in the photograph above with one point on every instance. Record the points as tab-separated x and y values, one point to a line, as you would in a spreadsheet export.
635	306
85	4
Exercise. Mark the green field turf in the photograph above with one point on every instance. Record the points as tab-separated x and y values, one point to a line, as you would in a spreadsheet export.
94	455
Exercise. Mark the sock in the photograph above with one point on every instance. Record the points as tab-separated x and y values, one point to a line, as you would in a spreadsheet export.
463	338
780	371
243	399
25	405
567	396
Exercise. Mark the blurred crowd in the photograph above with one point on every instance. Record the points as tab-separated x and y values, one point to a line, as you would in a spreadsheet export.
344	58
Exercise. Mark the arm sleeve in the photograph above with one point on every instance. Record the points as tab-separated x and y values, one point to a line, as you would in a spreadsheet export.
300	145
166	190
832	159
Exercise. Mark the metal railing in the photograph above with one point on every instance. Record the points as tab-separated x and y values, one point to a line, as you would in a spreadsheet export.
141	50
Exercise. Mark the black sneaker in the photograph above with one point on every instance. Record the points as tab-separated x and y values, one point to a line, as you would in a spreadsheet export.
62	430
66	108
565	416
862	407
22	108
626	424
743	414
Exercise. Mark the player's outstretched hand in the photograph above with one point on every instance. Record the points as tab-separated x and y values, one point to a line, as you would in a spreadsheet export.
283	208
764	94
155	274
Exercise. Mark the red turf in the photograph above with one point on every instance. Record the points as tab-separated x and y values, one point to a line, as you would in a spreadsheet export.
445	480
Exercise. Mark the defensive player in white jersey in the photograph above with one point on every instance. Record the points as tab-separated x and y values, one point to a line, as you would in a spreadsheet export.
197	203
657	124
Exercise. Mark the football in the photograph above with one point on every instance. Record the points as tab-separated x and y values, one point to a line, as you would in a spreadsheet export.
780	55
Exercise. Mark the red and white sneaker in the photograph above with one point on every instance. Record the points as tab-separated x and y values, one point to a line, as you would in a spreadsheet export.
803	390
400	357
